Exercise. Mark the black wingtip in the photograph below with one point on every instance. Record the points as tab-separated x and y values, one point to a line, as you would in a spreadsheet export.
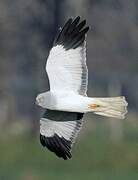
60	146
78	17
72	34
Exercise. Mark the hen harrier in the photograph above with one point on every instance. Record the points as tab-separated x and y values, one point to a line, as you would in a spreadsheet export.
67	101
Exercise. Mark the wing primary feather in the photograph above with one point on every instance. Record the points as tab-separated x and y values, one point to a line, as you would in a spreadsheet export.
72	34
65	151
56	149
59	145
74	24
42	140
79	27
79	43
79	39
64	31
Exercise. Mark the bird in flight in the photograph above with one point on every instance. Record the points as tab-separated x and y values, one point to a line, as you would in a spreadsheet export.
66	102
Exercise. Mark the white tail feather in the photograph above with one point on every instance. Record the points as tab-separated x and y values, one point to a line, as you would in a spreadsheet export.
111	107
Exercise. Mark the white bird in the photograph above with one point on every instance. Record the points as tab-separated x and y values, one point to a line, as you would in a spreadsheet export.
67	101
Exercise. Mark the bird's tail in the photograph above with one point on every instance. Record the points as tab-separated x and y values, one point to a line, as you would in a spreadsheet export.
111	107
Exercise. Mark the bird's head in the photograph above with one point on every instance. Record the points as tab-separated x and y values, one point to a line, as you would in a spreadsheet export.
40	100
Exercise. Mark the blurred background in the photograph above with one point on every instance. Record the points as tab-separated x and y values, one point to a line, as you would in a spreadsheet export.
106	148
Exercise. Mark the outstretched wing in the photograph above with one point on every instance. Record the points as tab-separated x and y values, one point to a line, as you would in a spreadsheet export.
58	131
66	64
